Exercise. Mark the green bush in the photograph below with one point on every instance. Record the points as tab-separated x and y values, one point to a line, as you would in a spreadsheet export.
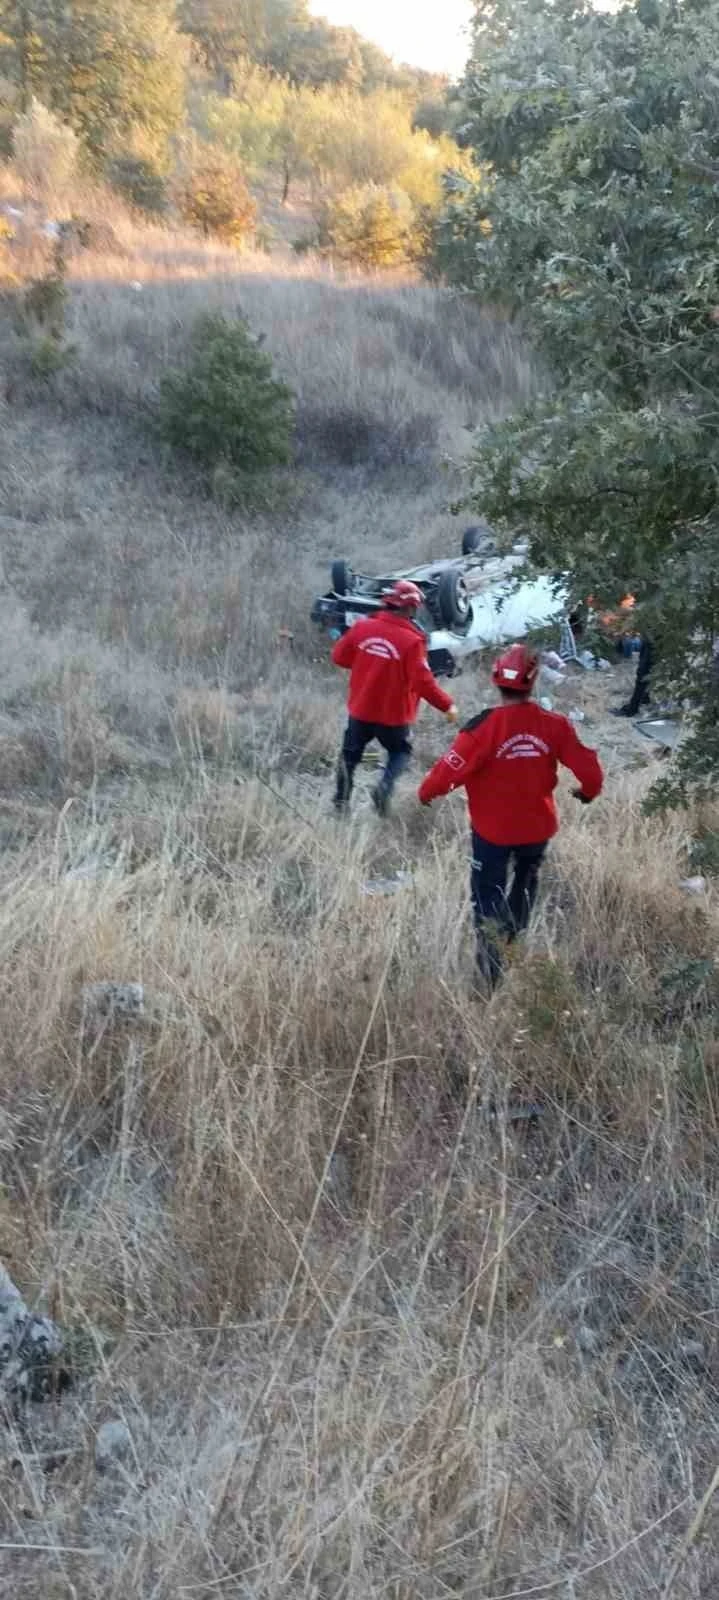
139	183
215	199
369	226
44	303
225	408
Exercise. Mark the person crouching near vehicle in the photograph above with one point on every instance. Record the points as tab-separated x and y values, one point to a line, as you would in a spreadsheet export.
389	675
507	758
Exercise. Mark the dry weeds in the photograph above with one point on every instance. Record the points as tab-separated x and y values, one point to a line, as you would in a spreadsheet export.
371	1335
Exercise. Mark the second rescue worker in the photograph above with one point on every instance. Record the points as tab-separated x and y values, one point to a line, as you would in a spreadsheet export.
507	758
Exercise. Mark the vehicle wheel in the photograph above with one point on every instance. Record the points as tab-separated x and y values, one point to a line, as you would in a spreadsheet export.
476	538
454	604
342	577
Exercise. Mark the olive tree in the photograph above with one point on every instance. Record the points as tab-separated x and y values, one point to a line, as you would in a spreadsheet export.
595	221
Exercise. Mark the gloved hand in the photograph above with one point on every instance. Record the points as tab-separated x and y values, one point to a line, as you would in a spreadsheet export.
453	714
585	798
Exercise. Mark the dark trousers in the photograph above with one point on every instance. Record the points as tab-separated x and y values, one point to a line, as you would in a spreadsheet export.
640	694
500	915
396	741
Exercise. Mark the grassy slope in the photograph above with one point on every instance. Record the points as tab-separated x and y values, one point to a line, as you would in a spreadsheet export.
464	1357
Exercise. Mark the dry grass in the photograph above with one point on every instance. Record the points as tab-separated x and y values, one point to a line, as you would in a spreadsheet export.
371	1337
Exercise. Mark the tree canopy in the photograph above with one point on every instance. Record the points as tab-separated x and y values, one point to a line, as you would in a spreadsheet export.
106	67
284	37
595	219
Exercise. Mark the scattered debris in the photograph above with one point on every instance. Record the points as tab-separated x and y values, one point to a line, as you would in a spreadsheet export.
546	703
575	715
378	886
103	1001
30	1348
567	641
665	731
694	885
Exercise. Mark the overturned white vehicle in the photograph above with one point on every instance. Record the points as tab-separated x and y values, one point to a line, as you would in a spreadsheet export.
471	603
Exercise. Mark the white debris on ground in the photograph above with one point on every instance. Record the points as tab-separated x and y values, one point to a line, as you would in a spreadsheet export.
29	1345
102	1001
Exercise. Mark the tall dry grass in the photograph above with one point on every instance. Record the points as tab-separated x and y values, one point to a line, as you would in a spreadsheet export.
369	1334
374	1330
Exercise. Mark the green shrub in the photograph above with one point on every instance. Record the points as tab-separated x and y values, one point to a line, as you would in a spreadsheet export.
44	302
139	183
225	408
49	355
215	199
39	312
369	226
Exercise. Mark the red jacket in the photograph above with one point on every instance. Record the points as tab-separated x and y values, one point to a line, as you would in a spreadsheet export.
507	760
389	674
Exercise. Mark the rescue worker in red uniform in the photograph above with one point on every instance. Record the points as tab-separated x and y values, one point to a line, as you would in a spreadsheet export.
506	758
389	674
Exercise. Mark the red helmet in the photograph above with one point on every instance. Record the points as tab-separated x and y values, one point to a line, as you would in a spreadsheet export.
516	670
403	596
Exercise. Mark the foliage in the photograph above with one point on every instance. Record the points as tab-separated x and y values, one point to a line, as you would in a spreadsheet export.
45	300
598	224
225	31
214	198
314	54
433	115
369	226
45	152
283	37
41	316
330	138
249	123
106	67
139	183
225	408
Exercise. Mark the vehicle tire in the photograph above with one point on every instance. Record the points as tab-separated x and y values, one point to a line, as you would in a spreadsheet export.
342	577
476	538
453	602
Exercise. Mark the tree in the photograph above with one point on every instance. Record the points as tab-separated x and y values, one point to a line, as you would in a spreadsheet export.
597	224
106	67
225	405
249	124
369	226
226	31
214	198
315	54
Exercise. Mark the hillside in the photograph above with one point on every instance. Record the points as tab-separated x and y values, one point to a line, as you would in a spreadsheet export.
371	1329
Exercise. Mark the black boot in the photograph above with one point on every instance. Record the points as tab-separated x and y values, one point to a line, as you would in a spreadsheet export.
381	798
343	791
